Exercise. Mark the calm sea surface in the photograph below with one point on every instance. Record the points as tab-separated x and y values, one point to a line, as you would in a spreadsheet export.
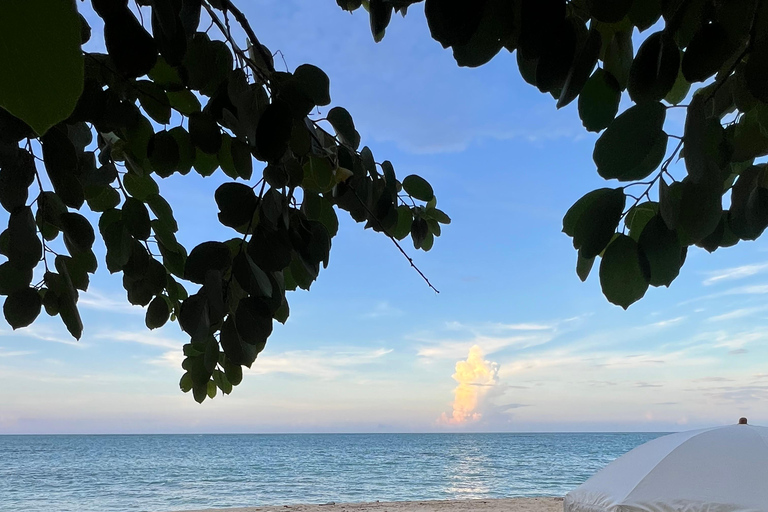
177	472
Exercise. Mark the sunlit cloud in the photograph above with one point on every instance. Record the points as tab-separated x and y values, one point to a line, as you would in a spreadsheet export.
475	377
729	274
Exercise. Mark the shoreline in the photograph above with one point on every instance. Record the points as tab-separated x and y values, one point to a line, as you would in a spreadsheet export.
543	504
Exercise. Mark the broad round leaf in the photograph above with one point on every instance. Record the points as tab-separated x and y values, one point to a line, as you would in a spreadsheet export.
418	187
17	172
707	52
163	153
344	126
662	248
78	232
453	23
623	272
205	133
136	218
42	62
237	203
274	131
700	211
599	101
24	247
253	321
655	68
631	138
497	27
581	70
237	351
13	278
314	83
593	219
22	307
207	256
157	313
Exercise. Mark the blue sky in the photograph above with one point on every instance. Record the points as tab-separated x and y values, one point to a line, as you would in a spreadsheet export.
371	348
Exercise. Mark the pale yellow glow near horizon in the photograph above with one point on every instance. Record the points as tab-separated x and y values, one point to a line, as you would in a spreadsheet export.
475	376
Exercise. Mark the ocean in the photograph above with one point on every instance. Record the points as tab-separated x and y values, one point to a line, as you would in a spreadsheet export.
158	473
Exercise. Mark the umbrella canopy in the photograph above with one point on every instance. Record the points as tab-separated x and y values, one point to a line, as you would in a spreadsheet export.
723	469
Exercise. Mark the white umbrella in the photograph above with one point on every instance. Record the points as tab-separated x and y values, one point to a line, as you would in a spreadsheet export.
722	469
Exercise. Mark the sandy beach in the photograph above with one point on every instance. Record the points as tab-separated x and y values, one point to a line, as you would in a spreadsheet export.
500	505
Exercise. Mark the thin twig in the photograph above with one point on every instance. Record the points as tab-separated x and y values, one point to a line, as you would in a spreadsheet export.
394	240
243	21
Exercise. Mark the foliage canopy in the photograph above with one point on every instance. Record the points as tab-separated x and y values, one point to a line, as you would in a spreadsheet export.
167	98
712	54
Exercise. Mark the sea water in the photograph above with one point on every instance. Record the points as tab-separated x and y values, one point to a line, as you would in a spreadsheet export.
178	472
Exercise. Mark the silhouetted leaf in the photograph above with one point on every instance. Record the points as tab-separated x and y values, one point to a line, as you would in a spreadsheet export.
207	256
593	220
314	83
274	131
205	133
634	143
662	248
609	11
581	70
22	307
344	126
623	272
13	278
78	232
418	187
237	204
41	60
254	321
654	69
136	218
599	101
17	172
24	247
707	52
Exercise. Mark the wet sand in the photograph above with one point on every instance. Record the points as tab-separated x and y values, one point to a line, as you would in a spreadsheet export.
500	505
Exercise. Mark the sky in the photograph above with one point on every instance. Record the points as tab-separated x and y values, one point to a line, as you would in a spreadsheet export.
513	341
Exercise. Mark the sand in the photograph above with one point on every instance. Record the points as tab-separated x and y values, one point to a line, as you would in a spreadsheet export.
501	505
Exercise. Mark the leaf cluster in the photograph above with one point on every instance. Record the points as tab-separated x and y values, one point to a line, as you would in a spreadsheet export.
712	53
169	99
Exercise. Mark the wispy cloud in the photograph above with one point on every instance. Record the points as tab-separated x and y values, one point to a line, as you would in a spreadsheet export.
142	338
46	333
324	364
492	337
667	323
383	309
16	353
737	313
93	299
732	273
